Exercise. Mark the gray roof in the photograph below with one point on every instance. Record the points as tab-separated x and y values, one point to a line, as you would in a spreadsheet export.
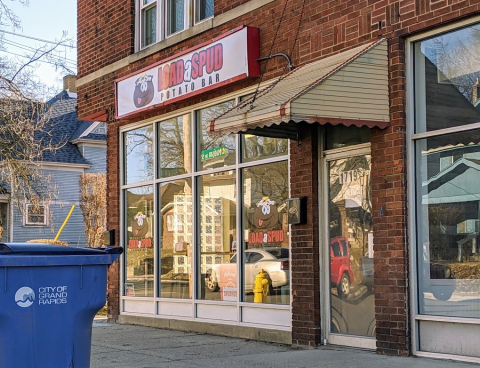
65	127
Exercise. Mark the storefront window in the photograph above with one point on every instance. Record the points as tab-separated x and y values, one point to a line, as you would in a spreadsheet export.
176	241
213	151
217	229
448	206
258	148
267	247
340	136
175	146
140	264
138	152
447	68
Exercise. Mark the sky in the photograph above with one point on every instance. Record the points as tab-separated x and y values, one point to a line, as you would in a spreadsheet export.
46	20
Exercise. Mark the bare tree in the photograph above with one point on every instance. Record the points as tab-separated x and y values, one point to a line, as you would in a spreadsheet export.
93	203
26	121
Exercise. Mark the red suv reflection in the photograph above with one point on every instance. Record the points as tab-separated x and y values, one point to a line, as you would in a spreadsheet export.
341	274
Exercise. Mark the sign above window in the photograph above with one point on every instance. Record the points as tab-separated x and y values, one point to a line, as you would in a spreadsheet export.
225	59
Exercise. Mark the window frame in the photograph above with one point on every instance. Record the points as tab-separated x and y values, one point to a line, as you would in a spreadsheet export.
191	17
26	215
412	136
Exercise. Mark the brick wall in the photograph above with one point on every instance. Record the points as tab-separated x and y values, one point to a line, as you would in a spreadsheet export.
304	266
105	35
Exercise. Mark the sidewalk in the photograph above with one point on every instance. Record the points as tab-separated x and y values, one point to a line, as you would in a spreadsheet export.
127	346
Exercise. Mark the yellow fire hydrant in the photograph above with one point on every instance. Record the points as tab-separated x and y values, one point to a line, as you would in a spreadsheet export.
260	290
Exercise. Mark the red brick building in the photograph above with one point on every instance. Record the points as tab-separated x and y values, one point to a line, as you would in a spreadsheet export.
221	114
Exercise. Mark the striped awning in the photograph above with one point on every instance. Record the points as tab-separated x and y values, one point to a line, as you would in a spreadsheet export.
350	88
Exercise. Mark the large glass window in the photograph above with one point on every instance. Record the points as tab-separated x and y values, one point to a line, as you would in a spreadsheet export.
200	253
214	151
258	148
266	245
140	263
217	227
447	68
176	240
175	146
138	155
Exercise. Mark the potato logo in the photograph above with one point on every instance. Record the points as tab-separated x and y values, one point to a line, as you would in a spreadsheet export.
144	91
140	225
266	214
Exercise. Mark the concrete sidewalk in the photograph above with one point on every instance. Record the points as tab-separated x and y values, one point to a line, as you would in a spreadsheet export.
127	346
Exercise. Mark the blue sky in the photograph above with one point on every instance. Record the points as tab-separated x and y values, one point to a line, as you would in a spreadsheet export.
46	19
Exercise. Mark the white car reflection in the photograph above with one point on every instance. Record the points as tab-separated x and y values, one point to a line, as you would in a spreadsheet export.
274	261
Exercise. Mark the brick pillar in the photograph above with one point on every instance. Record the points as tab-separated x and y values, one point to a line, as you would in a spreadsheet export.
304	265
113	218
389	194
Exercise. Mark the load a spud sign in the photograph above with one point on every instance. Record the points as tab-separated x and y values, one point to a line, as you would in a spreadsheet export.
223	60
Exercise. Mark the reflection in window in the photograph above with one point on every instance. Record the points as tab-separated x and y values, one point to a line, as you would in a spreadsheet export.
176	243
265	191
214	151
448	213
446	80
138	151
218	205
139	220
352	301
257	148
175	146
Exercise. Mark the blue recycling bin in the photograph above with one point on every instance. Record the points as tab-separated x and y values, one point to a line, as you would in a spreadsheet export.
49	297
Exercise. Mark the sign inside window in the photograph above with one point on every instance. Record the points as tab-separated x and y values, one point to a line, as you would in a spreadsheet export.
224	60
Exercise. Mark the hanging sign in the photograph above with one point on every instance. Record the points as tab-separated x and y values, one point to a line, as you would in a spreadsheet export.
226	59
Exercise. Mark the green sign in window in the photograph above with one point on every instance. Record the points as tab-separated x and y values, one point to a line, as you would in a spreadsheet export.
213	153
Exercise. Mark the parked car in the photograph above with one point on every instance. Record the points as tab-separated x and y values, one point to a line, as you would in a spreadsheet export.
341	274
274	261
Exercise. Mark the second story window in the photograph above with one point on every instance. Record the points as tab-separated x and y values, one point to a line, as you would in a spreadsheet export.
162	18
148	22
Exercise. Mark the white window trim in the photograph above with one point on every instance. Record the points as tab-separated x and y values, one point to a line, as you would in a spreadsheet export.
161	18
33	224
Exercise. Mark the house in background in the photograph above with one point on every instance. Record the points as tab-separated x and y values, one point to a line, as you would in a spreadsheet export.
84	152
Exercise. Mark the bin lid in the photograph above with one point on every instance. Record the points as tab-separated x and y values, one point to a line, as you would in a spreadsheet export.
52	249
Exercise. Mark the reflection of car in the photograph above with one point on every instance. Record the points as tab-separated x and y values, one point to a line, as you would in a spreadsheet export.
341	274
441	290
438	284
366	271
274	261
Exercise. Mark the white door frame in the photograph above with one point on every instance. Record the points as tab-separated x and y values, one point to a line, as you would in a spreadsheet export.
332	338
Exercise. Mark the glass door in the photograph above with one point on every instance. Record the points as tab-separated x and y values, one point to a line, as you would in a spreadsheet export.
349	253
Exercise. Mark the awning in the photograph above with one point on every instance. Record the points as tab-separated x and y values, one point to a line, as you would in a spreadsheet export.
350	88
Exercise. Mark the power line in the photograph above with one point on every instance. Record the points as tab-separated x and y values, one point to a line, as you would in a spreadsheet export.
39	60
38	39
31	49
